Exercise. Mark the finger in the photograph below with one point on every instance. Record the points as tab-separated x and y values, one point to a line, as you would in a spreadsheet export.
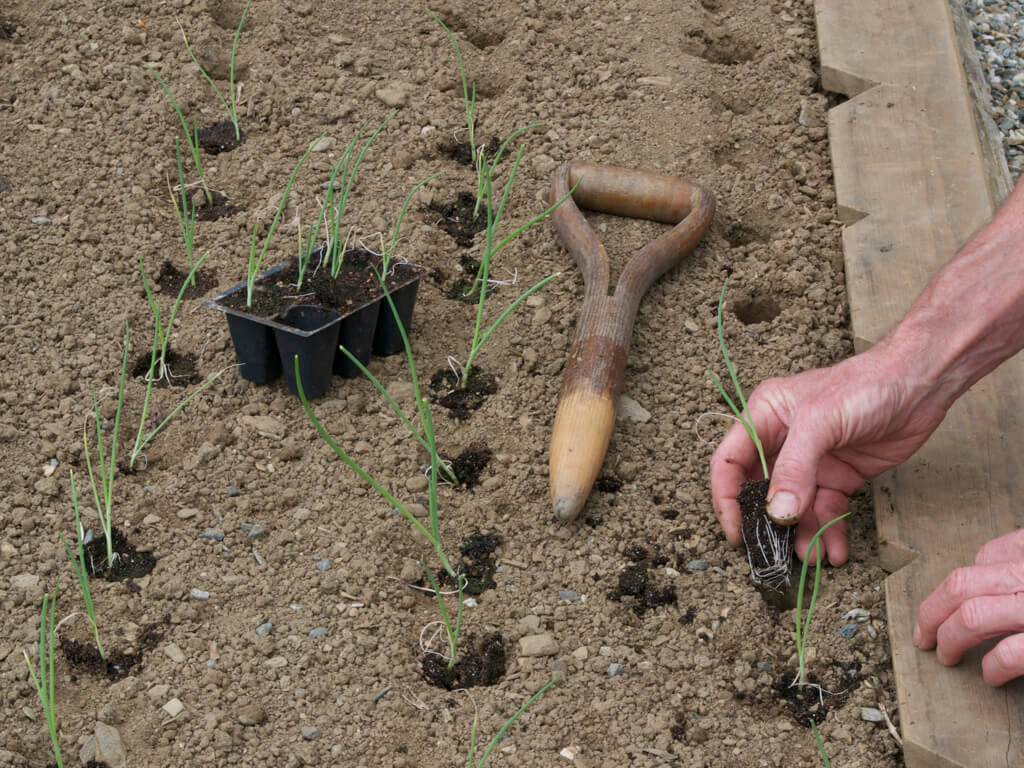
794	477
1004	662
733	462
959	587
979	618
1005	549
828	505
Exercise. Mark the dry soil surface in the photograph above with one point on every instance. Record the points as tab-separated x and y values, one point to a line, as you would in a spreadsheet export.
298	642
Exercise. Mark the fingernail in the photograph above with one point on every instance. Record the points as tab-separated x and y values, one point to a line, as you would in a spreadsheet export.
784	507
917	635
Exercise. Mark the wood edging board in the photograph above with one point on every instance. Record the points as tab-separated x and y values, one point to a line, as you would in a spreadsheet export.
917	171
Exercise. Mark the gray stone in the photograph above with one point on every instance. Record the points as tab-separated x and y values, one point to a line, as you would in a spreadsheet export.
253	530
174	653
543	644
41	221
697	565
109	748
251	715
318	632
871	714
234	491
310	732
199	594
323	144
616	669
212	534
569	595
323	565
264	629
847	631
630	410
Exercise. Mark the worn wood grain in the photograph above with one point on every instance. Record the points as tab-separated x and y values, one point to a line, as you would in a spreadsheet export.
914	180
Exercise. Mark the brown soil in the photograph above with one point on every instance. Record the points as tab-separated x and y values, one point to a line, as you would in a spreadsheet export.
721	91
220	137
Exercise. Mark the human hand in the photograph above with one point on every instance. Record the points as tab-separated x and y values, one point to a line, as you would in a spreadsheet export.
976	603
824	433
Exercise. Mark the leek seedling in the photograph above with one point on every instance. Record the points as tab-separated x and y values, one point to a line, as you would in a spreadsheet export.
161	339
44	678
186	214
501	732
256	261
469	105
491	248
81	571
741	413
103	492
191	136
803	623
231	108
821	747
334	205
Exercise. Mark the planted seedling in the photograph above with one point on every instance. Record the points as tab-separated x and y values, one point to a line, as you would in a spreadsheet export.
191	135
769	546
186	215
43	678
255	262
492	246
81	571
103	491
501	731
231	108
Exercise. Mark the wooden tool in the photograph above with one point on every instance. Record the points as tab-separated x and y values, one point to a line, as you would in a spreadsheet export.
596	368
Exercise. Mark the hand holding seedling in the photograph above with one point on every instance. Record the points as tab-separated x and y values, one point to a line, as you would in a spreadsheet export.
826	431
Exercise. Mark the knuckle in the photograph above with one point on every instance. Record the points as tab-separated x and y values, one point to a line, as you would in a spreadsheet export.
956	586
973	615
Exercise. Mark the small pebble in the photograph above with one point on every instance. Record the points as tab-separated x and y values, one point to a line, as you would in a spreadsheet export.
310	732
258	557
200	594
318	632
871	714
173	707
41	220
212	534
264	629
233	492
616	669
847	631
568	595
253	530
323	565
697	565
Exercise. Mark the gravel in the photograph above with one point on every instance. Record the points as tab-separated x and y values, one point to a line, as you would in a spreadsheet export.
998	29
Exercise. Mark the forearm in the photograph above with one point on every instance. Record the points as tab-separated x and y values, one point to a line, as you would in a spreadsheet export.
970	317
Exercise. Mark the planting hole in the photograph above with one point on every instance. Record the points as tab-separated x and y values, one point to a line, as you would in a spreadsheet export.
481	663
220	137
759	310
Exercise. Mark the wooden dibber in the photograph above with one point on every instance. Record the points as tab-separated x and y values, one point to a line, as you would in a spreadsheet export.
596	368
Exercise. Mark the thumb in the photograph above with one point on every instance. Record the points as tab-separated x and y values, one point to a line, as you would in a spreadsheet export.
794	476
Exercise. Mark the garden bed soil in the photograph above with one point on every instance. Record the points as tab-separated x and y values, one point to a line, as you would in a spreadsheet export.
291	637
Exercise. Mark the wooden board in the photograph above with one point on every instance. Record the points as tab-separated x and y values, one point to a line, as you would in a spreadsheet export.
914	179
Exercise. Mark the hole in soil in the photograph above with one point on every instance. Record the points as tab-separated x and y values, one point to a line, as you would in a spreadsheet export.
183	369
481	33
129	563
464	288
171	278
118	664
469	465
728	49
458	221
479	565
218	209
635	585
462	153
481	663
813	702
738	234
220	137
761	310
460	402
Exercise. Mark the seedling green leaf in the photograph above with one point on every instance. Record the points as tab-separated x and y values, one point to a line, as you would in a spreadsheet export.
43	680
